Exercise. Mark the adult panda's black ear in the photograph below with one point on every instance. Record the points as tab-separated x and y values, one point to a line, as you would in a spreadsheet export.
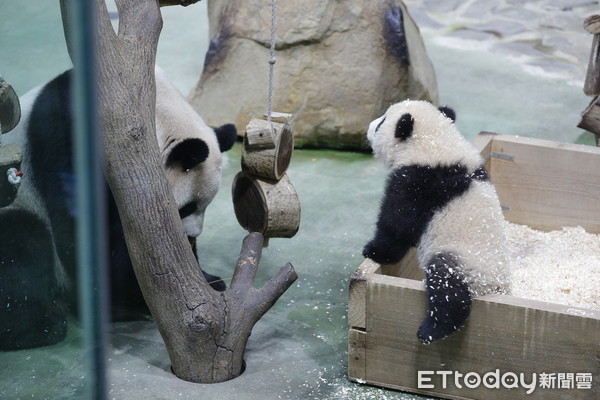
226	136
448	112
187	154
404	127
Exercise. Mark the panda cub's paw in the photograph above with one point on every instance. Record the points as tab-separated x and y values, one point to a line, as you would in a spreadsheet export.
376	253
448	296
384	252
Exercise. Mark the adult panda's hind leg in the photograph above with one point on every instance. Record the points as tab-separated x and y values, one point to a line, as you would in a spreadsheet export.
448	298
31	311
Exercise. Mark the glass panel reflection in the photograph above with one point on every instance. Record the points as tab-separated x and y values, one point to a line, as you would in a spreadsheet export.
46	350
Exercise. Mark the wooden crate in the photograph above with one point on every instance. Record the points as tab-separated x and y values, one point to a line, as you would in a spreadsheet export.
540	183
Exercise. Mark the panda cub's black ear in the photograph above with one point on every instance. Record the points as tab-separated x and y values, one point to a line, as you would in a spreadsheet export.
404	127
448	112
187	154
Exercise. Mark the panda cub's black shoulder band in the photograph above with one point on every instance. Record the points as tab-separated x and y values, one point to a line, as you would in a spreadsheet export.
480	174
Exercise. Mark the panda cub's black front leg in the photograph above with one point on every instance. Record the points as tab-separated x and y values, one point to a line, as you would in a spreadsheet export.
448	297
385	249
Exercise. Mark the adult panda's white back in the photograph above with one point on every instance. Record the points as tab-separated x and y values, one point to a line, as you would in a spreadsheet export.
194	183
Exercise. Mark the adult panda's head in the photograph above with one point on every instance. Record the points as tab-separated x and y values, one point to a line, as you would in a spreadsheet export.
191	153
418	133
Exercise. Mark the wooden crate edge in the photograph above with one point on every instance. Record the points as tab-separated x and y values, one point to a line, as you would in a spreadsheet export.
357	293
506	299
516	339
483	138
544	184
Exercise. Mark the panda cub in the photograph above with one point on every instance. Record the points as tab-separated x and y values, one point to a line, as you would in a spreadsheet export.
438	198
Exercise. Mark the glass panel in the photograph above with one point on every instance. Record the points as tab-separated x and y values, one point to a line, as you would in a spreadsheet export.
49	231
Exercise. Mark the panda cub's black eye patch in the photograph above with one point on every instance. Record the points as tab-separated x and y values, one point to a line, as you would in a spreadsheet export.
188	210
379	124
404	127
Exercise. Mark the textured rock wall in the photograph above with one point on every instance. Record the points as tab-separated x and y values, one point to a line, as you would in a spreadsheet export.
339	65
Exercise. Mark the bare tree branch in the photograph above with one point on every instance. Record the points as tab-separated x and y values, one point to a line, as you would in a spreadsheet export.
205	331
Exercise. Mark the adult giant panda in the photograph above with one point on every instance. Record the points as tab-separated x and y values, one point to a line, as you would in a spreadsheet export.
37	233
439	198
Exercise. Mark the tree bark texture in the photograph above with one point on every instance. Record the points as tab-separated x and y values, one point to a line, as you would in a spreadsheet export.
205	331
590	118
591	86
10	108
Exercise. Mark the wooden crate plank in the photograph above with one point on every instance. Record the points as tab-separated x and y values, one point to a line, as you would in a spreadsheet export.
407	268
506	333
545	184
356	355
357	294
483	141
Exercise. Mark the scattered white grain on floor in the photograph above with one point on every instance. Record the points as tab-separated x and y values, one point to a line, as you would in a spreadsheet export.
561	266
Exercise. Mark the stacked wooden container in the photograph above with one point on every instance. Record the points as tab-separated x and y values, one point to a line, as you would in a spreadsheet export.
264	199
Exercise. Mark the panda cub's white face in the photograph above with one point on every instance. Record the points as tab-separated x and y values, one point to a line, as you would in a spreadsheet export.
418	133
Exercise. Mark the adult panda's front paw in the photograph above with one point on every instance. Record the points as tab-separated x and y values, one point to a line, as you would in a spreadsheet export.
33	312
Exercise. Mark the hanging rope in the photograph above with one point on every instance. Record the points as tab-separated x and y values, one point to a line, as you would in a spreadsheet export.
272	60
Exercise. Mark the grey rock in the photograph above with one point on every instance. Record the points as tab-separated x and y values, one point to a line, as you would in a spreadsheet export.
479	9
467	34
502	28
567	5
556	42
555	67
423	20
518	50
518	13
339	65
446	6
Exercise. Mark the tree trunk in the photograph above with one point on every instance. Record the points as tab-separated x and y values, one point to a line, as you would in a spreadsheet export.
591	86
205	331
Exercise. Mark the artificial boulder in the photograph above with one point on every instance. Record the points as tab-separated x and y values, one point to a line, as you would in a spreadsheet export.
340	64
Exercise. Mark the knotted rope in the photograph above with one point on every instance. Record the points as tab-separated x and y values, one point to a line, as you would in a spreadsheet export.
272	60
